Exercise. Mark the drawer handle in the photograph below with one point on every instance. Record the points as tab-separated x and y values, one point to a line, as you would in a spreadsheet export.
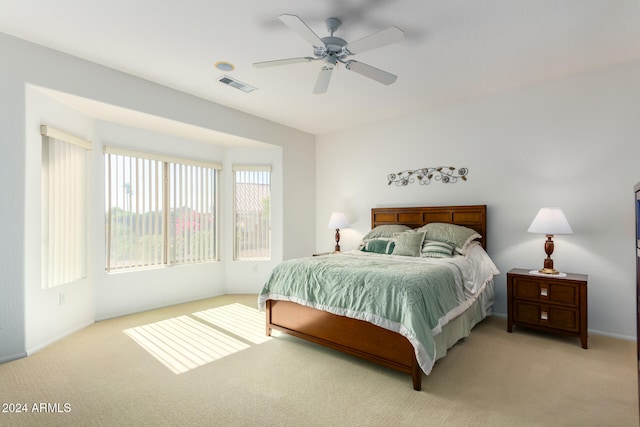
544	315
544	292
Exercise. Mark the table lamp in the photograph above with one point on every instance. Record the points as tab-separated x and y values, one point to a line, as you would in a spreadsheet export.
337	221
549	221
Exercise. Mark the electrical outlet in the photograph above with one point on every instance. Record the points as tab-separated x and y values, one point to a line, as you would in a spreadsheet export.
255	268
62	299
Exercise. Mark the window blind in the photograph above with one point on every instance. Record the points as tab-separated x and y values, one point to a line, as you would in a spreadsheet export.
161	210
252	212
64	207
108	149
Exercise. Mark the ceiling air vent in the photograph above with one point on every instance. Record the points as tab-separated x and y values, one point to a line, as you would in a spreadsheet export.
236	83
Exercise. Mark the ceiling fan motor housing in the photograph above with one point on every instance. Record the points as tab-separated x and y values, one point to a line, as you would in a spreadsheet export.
333	45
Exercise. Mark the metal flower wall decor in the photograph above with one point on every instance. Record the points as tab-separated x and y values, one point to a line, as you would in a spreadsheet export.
424	176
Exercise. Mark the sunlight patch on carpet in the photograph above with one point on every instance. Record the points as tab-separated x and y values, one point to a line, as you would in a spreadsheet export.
183	343
245	322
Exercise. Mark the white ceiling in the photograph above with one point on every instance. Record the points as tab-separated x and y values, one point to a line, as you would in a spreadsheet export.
454	49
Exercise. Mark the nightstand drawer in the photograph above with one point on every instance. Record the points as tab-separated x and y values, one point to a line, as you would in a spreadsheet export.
535	289
566	319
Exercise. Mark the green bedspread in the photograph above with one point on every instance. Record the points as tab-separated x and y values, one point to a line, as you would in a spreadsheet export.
414	298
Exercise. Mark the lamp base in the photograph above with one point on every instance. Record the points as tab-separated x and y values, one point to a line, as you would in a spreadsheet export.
337	247
548	271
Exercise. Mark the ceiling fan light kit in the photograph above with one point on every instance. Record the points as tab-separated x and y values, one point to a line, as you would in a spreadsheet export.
334	50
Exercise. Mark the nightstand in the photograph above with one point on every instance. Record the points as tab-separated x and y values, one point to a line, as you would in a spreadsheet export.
549	303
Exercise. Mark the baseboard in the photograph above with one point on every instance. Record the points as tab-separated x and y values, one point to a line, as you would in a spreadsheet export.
57	338
590	331
109	316
610	335
13	357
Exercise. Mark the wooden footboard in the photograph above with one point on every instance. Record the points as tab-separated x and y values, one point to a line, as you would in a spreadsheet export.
351	336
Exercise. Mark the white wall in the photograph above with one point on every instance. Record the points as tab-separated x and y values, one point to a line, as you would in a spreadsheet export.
28	313
573	143
51	313
12	209
126	292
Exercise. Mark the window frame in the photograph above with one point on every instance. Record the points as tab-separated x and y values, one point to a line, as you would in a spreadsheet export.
251	168
167	186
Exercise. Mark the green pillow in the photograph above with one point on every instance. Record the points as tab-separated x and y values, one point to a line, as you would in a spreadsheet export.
434	249
379	246
408	243
456	235
385	231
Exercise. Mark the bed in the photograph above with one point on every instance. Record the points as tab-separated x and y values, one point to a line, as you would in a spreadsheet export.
399	316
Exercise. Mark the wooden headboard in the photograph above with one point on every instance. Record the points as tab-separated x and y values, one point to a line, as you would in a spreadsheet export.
474	217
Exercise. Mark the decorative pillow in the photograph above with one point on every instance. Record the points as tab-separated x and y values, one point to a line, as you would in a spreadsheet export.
456	235
385	231
408	243
379	246
434	249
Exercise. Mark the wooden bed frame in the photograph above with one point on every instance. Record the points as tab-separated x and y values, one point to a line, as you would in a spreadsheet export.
357	337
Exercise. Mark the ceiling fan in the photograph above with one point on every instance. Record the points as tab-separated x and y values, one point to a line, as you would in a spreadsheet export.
334	50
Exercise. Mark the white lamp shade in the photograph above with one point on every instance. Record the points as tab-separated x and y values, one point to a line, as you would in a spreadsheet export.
338	220
550	221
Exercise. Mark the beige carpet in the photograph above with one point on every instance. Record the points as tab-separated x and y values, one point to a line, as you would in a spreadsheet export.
102	376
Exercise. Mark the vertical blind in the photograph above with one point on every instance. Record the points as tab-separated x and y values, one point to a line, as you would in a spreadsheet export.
135	213
161	210
252	212
64	207
193	226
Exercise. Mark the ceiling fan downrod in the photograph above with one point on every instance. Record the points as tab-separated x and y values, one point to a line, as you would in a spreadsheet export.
332	25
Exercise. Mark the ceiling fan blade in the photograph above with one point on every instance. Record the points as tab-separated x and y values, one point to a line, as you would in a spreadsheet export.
322	83
296	24
371	72
373	41
287	61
